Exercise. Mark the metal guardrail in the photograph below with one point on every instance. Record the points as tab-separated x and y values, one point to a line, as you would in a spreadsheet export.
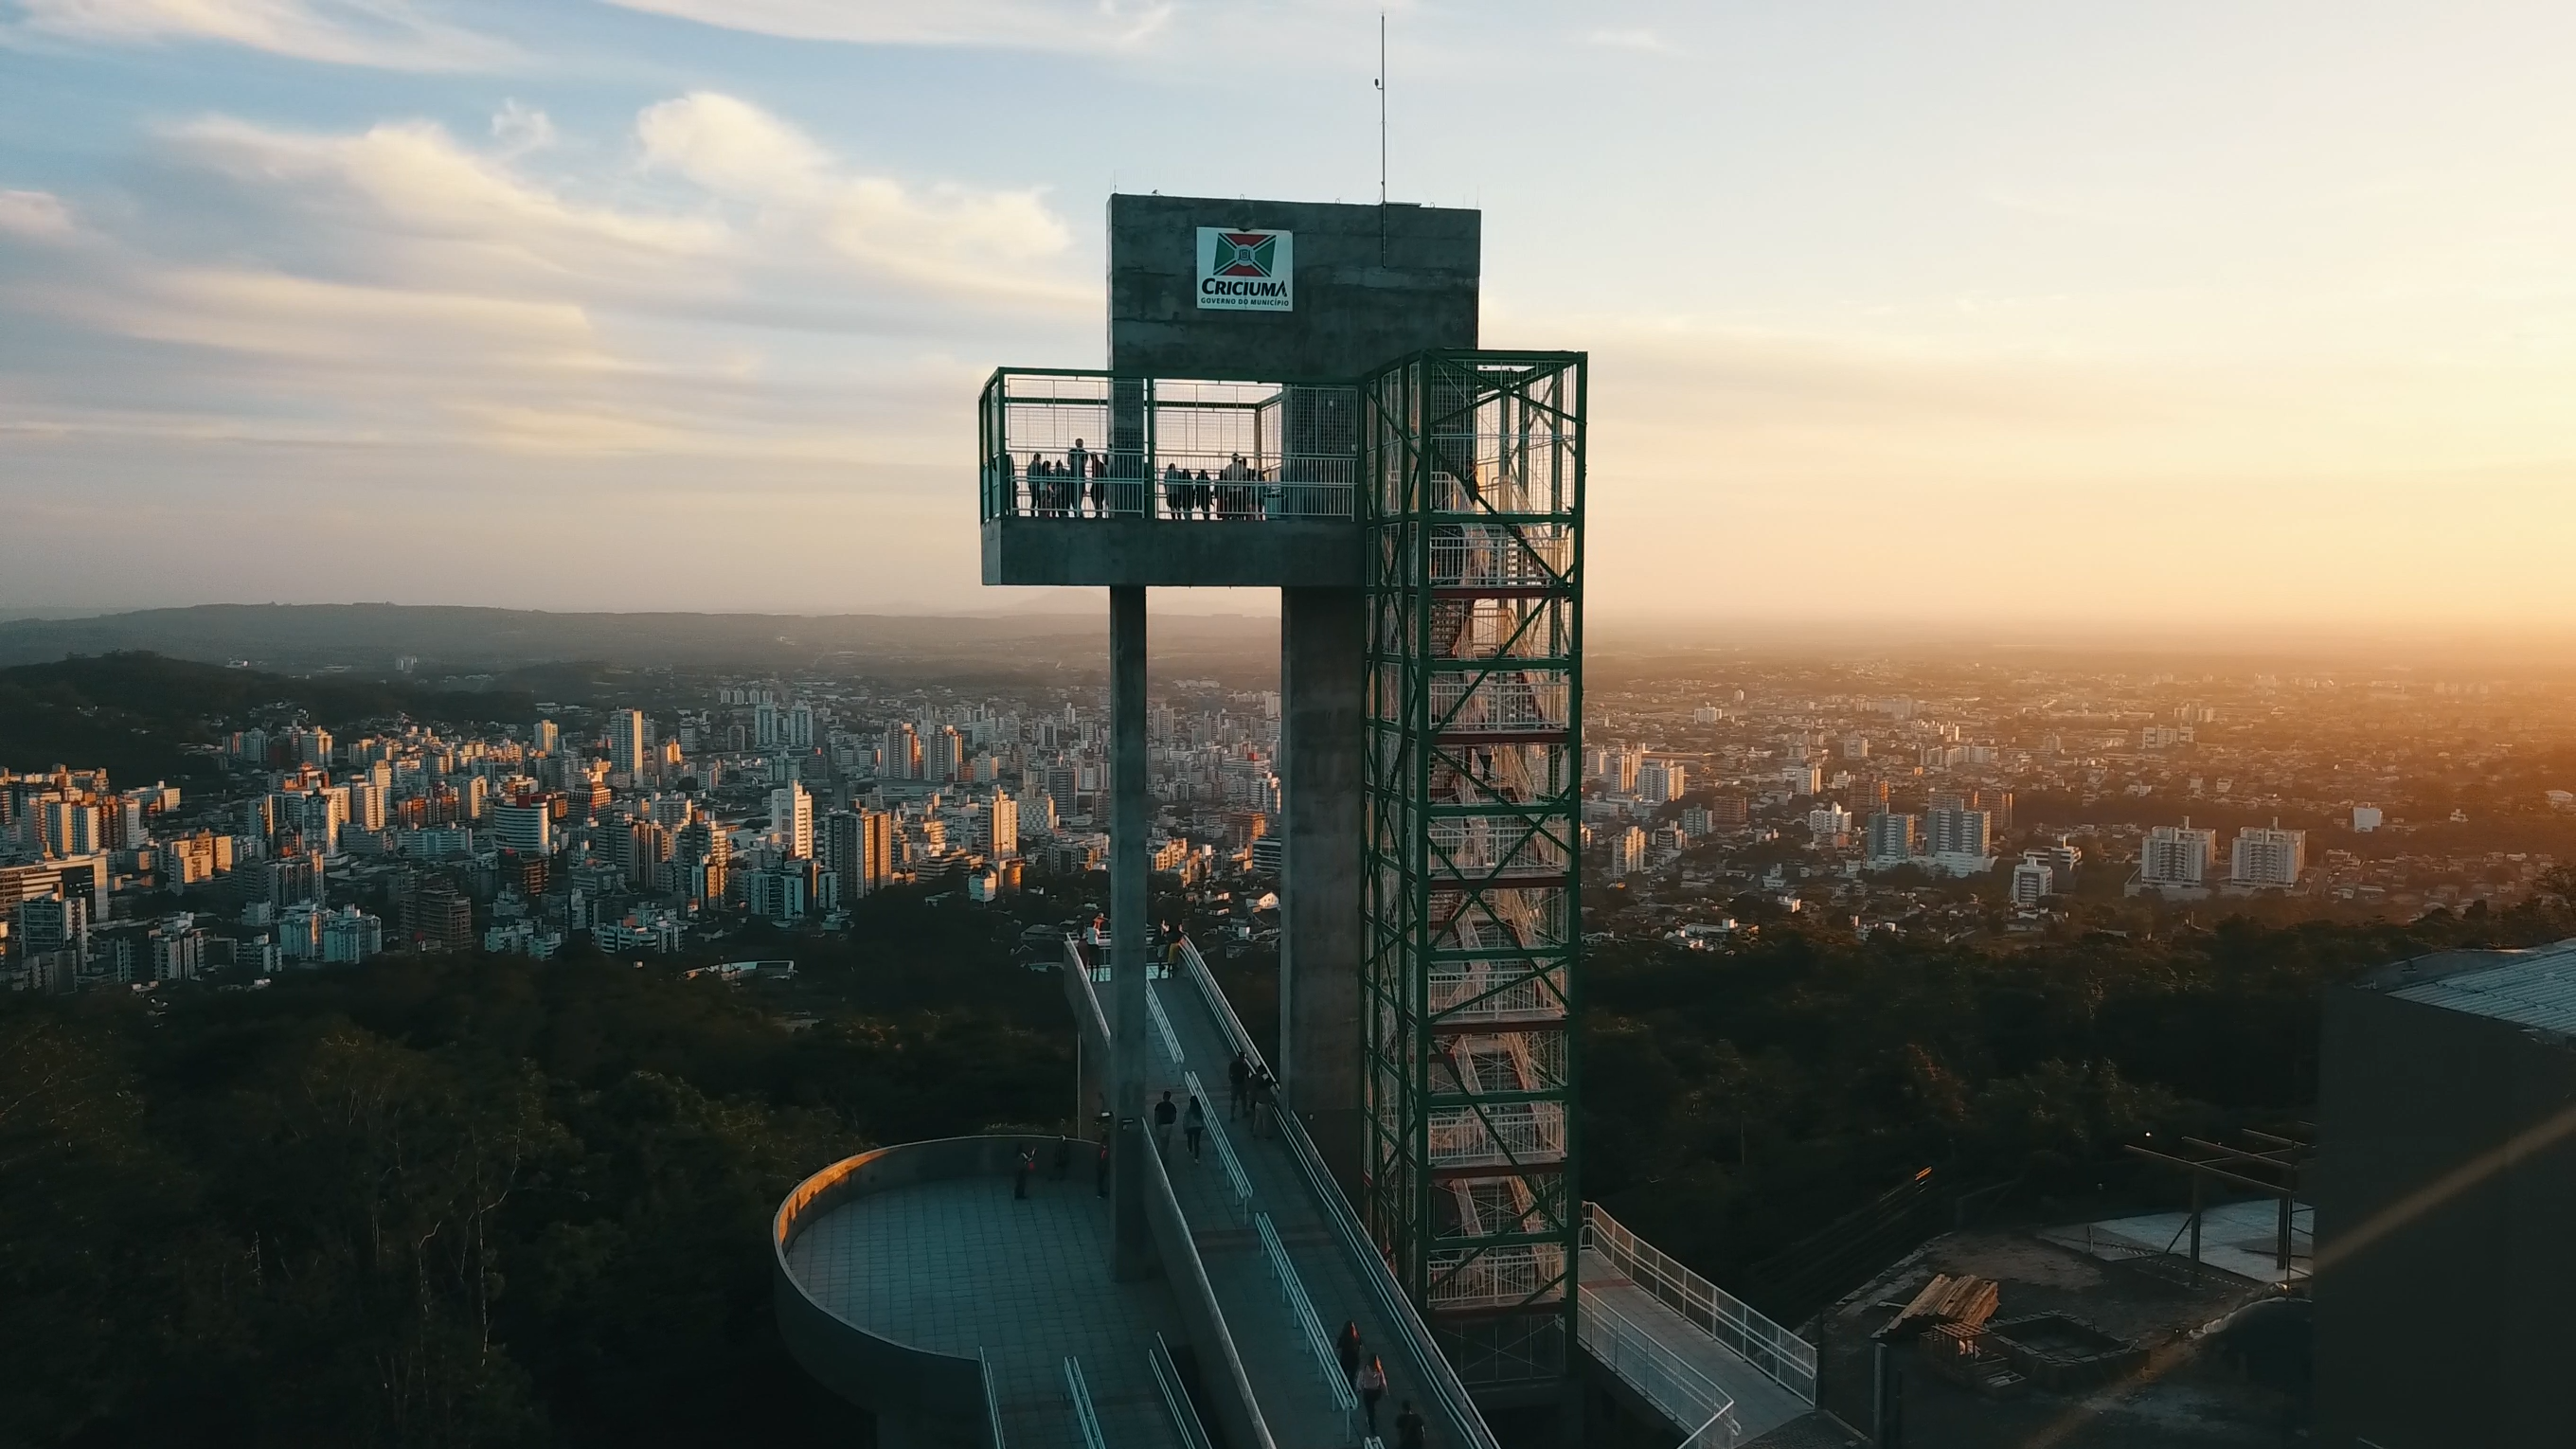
992	1404
1078	1394
1779	1355
1680	1392
1067	443
1234	1173
1162	1024
1311	1328
1440	1381
1176	1396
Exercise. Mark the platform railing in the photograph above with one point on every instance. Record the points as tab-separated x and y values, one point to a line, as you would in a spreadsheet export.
1442	1385
1071	444
1779	1355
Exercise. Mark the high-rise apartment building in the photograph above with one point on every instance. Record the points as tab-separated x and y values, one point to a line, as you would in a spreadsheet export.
764	725
1004	830
859	847
1889	840
545	738
791	819
902	759
796	729
1958	830
2032	880
1660	782
1830	825
2267	856
2176	855
527	829
70	827
1627	852
628	752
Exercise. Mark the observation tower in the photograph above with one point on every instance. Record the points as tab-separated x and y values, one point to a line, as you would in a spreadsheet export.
1296	399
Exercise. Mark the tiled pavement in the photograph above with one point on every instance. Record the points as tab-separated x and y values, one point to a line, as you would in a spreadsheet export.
960	1265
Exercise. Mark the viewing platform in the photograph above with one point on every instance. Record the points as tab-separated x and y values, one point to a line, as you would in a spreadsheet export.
912	1281
1095	480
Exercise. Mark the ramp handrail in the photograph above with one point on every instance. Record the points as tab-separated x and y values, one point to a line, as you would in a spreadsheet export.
1683	1394
1080	1394
1309	1327
1779	1355
1234	1174
992	1403
1440	1381
1162	1024
1176	1396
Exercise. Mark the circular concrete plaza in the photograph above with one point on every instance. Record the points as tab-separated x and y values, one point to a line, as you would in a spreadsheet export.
959	1265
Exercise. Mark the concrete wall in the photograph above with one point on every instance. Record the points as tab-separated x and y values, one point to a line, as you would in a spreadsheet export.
1169	553
1360	303
2444	1265
1322	633
1221	1373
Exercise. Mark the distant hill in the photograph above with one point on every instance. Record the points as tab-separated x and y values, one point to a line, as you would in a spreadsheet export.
132	712
445	640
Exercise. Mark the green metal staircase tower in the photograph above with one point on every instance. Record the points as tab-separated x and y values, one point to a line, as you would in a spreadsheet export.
1472	482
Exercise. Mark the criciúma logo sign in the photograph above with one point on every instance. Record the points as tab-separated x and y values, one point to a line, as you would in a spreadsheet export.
1247	271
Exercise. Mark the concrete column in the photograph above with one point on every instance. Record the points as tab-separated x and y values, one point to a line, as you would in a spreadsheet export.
1130	932
1322	755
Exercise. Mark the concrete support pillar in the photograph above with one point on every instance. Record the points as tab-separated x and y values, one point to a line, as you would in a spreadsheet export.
1322	754
1130	932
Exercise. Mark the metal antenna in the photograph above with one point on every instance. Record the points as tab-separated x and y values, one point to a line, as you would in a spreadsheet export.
1381	138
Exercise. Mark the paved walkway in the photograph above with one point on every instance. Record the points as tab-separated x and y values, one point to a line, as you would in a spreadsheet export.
1285	1378
959	1265
1760	1404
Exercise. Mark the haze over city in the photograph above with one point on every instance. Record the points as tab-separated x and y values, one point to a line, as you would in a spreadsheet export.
2018	318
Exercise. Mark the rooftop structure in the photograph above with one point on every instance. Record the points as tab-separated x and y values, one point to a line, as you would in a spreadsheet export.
2445	1179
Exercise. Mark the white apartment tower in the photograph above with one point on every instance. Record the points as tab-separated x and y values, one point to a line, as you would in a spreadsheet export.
2176	855
2267	856
791	819
627	751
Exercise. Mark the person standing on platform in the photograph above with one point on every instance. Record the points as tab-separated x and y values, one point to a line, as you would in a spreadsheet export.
1346	1348
1164	1115
1100	1176
1409	1428
1028	1169
1194	1125
1372	1384
1237	1073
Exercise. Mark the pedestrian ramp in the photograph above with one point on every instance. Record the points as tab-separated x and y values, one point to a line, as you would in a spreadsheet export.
1719	1373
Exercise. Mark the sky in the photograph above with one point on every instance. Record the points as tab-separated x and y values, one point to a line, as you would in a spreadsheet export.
2214	317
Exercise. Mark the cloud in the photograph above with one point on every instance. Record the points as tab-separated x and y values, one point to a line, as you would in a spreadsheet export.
972	243
37	215
1645	40
1052	25
388	34
726	288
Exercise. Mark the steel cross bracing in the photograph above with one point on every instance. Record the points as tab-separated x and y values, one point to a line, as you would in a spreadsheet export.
1472	489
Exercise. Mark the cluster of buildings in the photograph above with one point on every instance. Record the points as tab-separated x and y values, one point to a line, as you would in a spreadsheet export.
782	802
1819	784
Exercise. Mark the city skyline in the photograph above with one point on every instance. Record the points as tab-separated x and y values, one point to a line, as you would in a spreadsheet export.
2205	324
